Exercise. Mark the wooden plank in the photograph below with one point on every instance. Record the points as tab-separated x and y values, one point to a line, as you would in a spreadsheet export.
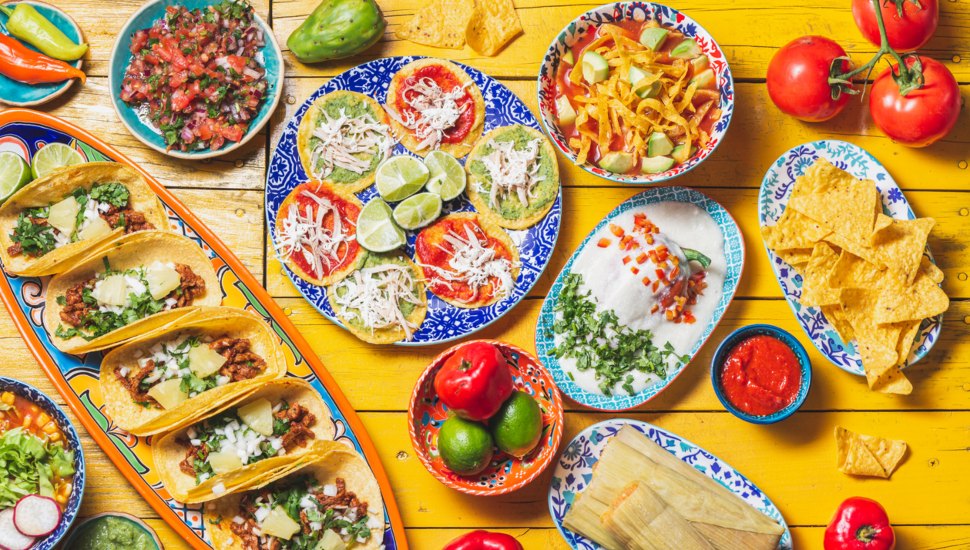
237	217
731	24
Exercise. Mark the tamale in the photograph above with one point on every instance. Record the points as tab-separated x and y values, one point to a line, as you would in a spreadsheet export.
583	517
643	521
722	537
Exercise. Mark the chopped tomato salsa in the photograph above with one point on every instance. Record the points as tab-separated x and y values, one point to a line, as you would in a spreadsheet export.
197	76
761	375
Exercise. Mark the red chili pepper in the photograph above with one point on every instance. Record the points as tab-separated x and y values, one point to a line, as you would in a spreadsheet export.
484	540
474	381
25	65
860	524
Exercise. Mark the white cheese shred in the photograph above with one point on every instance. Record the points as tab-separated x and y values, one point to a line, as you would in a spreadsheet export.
373	295
302	232
512	171
474	263
348	142
435	110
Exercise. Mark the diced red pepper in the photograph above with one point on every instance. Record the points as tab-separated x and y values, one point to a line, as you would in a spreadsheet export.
642	257
603	243
634	269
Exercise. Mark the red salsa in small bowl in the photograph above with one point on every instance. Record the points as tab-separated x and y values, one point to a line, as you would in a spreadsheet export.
761	375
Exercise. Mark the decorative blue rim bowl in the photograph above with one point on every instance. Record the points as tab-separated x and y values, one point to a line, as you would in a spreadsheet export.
639	11
785	337
73	444
121	57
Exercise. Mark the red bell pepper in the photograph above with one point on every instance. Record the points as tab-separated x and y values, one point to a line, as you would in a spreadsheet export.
484	540
860	524
474	381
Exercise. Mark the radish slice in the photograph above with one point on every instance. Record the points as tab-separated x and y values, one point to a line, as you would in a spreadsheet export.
36	516
10	537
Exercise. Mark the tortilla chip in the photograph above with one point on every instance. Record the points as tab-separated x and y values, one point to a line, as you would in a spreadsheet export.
839	202
907	339
931	270
793	230
493	24
866	455
921	300
815	288
441	23
876	343
836	316
797	257
851	271
901	243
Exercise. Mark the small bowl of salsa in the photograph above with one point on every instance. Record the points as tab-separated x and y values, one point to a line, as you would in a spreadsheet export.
114	530
761	374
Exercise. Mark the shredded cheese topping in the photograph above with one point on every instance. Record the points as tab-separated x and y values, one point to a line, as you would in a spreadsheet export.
303	232
437	110
373	294
349	143
474	263
512	171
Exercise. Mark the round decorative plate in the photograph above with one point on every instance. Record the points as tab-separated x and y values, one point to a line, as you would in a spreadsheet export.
21	94
615	12
505	474
73	443
733	254
775	192
575	469
444	322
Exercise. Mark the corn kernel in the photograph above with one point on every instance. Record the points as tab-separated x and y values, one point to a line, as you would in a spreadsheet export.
56	436
28	420
50	428
43	419
7	397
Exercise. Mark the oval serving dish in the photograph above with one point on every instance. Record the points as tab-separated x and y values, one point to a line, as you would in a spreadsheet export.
733	254
775	192
575	468
614	12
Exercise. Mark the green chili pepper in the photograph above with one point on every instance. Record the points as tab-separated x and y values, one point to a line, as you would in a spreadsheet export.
29	25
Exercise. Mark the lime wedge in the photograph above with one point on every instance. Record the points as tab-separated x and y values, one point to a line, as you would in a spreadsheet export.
375	228
400	177
447	176
53	156
14	174
418	211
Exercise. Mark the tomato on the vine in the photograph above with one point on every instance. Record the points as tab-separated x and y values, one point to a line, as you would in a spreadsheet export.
924	114
798	78
909	23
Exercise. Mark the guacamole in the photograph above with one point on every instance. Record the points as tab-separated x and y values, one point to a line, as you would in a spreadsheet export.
545	192
112	533
351	107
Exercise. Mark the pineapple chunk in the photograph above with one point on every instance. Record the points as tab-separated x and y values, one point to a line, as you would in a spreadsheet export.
168	393
224	461
205	361
63	215
331	541
94	229
162	280
278	524
258	415
112	290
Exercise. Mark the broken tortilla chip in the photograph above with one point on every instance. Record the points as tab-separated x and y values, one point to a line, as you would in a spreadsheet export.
900	244
793	230
841	203
815	288
866	455
921	300
440	24
494	23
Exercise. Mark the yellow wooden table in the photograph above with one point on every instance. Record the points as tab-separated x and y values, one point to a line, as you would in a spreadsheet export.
794	461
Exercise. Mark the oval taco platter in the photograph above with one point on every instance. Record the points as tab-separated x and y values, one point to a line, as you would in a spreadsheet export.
776	190
76	376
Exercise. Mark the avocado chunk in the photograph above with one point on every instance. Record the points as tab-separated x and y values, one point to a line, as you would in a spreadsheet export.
700	63
653	37
679	151
565	111
687	49
618	162
567	58
705	79
659	144
649	90
656	165
595	67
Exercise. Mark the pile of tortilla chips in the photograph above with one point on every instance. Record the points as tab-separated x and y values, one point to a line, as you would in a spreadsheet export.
485	25
867	455
865	270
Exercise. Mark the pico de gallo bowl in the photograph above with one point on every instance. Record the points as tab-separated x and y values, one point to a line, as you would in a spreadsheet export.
195	78
635	92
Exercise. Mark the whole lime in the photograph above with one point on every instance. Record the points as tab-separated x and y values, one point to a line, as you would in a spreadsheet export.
517	426
465	446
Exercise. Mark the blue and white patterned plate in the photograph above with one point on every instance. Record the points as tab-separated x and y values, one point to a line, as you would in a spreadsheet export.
775	191
575	469
444	321
733	254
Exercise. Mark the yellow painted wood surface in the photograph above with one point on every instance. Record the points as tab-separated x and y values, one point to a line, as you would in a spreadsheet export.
929	497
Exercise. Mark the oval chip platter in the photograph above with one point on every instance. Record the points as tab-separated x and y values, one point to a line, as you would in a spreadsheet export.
76	376
775	192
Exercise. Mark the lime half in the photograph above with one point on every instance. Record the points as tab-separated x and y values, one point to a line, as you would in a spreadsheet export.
400	177
418	211
14	174
53	156
375	228
447	176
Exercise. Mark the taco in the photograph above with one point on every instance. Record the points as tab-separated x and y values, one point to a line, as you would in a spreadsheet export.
332	502
383	301
467	261
246	444
172	376
513	176
128	287
434	105
59	218
316	233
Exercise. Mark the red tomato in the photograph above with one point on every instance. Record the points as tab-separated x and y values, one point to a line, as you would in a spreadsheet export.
906	33
798	78
182	97
922	116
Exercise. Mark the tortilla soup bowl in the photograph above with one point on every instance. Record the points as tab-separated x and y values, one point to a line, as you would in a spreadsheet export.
504	473
748	346
681	86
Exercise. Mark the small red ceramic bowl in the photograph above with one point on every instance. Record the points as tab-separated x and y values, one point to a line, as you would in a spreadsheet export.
506	473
